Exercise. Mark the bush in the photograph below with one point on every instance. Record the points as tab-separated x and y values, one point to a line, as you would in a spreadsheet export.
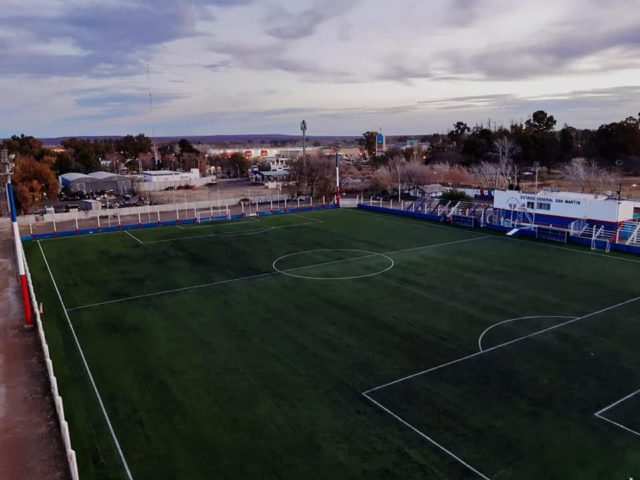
454	195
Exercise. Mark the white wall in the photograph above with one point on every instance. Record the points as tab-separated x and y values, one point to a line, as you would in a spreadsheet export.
567	205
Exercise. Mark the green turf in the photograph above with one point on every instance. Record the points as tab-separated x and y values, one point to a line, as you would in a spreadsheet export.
260	374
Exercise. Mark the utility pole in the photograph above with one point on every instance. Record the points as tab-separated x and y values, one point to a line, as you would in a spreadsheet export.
399	184
337	177
303	127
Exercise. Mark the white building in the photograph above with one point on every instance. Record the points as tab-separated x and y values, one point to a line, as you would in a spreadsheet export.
562	208
170	175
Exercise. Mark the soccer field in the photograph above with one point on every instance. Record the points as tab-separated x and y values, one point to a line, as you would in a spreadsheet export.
342	344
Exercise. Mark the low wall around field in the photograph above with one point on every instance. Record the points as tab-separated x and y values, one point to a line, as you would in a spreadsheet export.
208	215
57	398
618	247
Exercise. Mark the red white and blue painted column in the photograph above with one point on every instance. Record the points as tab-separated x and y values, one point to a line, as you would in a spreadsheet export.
337	178
28	320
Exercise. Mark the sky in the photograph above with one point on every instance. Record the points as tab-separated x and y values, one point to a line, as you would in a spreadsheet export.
85	67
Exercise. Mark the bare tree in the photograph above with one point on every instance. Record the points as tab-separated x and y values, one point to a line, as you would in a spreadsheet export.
587	176
505	149
494	175
383	179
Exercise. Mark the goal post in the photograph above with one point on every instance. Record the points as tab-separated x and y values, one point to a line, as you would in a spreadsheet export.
463	220
601	244
553	234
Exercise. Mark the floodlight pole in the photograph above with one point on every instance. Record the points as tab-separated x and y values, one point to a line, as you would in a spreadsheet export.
535	197
303	127
337	177
399	186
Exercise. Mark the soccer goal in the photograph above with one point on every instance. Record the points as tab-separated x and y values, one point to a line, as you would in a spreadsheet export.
553	234
601	244
463	220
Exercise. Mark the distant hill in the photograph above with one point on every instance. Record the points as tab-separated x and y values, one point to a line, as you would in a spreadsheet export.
215	139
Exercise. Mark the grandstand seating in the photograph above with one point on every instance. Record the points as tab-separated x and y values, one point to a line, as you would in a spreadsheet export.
598	232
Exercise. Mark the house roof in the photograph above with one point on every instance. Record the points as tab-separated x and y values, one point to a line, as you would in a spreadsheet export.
102	175
73	176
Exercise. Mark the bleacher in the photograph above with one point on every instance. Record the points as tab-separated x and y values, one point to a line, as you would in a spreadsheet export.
598	232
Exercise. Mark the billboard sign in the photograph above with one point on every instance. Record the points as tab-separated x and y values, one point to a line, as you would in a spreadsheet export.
380	144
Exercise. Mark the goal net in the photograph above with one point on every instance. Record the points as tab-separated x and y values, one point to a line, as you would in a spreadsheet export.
601	244
210	215
553	234
463	220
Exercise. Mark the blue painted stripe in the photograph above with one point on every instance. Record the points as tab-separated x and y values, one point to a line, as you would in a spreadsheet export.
12	203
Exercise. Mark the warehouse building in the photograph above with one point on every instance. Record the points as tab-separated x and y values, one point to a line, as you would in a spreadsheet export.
96	182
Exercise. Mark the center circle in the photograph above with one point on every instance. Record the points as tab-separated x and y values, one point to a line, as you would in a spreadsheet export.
347	256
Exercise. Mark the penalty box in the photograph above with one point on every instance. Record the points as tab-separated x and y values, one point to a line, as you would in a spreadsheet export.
526	410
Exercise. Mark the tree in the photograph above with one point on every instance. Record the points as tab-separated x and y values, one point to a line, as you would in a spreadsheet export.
460	129
185	146
233	165
477	145
24	146
454	195
131	146
505	149
587	176
501	173
540	121
83	156
316	178
618	140
368	142
33	181
566	147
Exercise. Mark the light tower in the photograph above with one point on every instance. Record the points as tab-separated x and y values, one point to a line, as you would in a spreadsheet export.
337	176
303	127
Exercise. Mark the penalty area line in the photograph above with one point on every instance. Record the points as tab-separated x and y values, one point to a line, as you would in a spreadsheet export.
505	344
86	366
426	437
600	415
134	237
367	393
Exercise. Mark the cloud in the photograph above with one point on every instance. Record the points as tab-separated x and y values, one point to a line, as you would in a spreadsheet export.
551	54
290	26
275	56
111	39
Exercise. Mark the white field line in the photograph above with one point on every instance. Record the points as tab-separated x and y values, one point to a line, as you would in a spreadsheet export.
265	274
86	366
238	234
175	290
448	452
179	226
600	415
619	425
218	224
426	437
615	404
134	237
502	345
367	254
488	329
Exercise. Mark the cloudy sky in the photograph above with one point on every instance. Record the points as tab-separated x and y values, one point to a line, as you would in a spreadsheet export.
79	67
